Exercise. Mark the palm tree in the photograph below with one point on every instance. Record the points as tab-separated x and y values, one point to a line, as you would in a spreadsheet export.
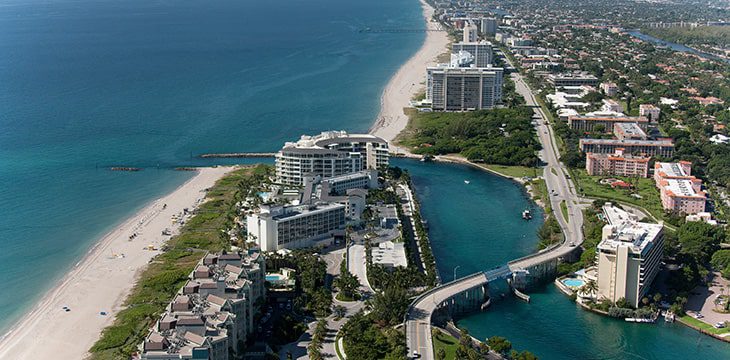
589	287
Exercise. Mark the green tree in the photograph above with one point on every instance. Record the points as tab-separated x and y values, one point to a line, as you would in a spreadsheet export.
499	344
441	354
348	284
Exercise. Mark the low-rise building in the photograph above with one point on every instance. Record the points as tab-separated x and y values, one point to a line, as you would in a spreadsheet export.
629	257
661	147
604	124
612	105
679	190
609	88
628	131
572	79
295	226
390	255
618	164
650	111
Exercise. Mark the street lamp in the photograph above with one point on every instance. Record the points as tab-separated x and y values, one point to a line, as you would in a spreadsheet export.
456	267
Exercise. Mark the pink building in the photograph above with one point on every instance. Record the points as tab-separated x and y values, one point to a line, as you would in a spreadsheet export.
680	191
618	164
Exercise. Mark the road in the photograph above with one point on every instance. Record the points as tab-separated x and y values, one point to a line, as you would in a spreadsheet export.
560	186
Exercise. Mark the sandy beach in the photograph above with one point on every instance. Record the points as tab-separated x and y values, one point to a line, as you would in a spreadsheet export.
101	280
408	81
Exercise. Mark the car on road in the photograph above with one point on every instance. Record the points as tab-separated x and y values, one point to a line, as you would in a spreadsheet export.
719	325
699	316
416	355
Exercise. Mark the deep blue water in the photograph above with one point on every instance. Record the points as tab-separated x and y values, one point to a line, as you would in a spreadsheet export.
478	226
85	84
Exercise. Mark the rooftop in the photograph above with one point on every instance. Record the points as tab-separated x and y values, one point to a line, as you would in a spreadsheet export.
637	236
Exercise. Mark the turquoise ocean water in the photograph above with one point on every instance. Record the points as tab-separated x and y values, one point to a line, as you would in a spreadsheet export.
478	226
85	84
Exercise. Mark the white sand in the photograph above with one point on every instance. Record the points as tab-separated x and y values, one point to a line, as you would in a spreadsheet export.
408	81
101	281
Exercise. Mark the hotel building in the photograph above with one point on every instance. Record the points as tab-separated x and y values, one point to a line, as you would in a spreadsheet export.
481	52
680	192
617	164
661	147
211	317
288	227
329	154
462	89
629	256
583	123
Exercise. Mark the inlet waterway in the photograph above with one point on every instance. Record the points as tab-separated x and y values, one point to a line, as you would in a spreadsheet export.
674	46
477	226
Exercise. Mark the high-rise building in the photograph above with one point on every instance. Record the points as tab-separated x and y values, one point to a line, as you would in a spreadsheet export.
461	89
629	256
470	33
329	154
489	26
480	51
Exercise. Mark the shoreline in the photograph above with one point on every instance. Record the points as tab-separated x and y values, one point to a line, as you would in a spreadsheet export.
408	81
101	280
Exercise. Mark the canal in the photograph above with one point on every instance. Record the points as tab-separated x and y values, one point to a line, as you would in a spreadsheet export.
674	46
477	226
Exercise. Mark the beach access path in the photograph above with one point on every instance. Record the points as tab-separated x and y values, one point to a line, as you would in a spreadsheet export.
408	81
102	280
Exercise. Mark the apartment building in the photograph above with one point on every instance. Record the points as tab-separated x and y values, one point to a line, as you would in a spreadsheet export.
649	111
661	147
488	26
628	131
211	317
629	257
294	226
611	105
680	192
481	52
471	33
572	79
609	88
617	164
463	89
604	124
330	154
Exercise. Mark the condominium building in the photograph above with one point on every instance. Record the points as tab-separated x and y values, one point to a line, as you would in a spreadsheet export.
481	53
470	33
489	26
628	131
572	79
462	89
609	88
679	190
287	227
661	147
604	124
629	256
329	154
649	111
211	317
618	164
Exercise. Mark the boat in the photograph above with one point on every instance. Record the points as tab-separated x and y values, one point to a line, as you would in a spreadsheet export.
526	214
467	182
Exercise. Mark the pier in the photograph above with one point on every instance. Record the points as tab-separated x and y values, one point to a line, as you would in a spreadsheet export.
239	155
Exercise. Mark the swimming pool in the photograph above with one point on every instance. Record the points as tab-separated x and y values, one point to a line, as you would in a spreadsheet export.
573	283
274	277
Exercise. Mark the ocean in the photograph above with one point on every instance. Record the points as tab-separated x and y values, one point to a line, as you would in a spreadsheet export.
89	84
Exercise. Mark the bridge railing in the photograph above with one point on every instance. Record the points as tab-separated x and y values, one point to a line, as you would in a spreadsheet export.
434	290
539	253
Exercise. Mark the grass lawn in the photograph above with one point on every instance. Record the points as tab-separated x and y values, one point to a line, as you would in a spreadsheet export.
703	325
590	186
564	210
540	191
446	342
513	171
